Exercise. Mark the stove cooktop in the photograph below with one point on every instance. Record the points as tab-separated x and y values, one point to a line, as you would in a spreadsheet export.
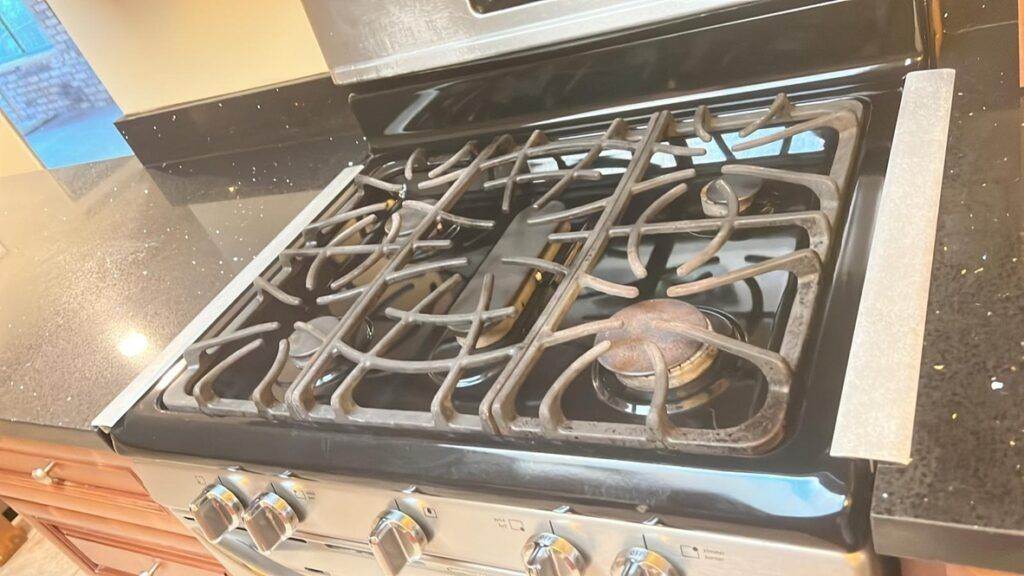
651	285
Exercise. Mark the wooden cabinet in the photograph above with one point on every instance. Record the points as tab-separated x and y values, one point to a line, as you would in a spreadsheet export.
90	504
1020	35
922	568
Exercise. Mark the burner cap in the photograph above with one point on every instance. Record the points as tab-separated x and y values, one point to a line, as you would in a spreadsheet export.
628	359
713	197
410	219
302	344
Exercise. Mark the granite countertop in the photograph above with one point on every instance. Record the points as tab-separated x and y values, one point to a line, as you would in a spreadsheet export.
962	497
102	264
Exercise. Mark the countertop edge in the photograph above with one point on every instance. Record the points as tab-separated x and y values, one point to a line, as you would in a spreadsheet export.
955	543
78	437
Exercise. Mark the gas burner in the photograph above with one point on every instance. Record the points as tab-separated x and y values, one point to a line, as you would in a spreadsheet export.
713	195
449	347
308	337
409	219
697	373
628	359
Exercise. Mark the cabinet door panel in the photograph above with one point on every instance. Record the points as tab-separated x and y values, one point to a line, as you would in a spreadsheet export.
119	554
110	529
120	506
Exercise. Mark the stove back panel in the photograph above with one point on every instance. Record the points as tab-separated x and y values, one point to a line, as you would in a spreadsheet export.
751	53
366	39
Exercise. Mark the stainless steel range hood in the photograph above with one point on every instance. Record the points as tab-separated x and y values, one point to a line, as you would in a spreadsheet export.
370	39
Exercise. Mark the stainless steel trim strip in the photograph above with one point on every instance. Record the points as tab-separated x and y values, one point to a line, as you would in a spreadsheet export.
167	358
876	413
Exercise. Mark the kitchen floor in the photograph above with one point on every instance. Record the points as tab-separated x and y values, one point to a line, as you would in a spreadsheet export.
38	557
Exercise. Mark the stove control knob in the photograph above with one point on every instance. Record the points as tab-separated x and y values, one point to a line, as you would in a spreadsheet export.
642	562
396	540
217	511
549	555
270	520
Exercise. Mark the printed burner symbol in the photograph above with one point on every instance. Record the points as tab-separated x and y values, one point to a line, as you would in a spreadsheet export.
689	551
510	524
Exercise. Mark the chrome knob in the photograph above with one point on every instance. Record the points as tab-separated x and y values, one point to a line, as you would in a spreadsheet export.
396	540
270	520
549	555
152	570
42	474
217	511
639	561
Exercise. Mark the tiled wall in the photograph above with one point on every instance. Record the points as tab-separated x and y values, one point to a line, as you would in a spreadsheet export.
43	86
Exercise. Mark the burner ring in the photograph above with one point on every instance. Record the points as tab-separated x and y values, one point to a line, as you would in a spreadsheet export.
628	358
621	400
449	348
714	381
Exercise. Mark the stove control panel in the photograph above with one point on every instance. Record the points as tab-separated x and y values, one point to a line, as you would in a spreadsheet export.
292	525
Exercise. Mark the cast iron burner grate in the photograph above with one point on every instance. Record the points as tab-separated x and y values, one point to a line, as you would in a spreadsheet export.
487	252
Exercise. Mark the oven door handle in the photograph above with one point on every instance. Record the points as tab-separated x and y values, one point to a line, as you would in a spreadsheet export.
876	413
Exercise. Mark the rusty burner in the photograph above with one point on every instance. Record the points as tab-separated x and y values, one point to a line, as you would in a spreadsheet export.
629	361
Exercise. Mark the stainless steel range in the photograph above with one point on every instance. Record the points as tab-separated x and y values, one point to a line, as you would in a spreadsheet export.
546	336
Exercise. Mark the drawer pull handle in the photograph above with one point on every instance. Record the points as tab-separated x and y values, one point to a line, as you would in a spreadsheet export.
151	571
42	474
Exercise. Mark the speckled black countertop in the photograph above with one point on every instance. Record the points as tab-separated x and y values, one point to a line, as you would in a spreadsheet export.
962	498
102	264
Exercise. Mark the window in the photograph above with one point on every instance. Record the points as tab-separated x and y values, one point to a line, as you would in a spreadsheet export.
20	33
798	144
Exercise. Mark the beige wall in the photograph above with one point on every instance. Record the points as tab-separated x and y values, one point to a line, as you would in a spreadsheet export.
154	53
15	156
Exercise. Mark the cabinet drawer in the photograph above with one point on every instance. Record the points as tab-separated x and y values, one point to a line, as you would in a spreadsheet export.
161	530
85	500
109	556
71	469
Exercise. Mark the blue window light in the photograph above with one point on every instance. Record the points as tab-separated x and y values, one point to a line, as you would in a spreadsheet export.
20	33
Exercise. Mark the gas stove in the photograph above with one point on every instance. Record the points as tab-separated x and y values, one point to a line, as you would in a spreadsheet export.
649	285
531	333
